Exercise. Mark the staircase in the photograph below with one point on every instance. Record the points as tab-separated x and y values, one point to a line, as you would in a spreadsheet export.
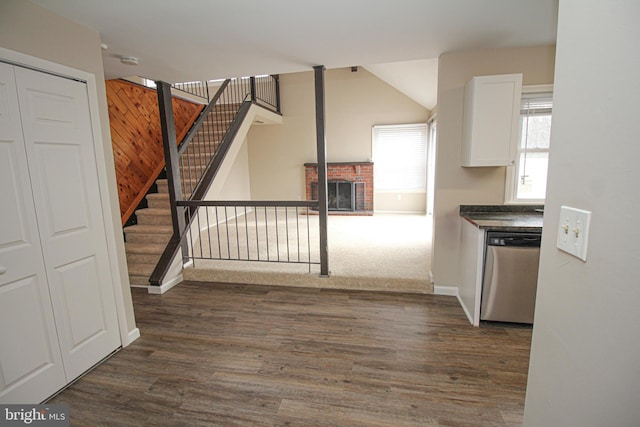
146	240
199	158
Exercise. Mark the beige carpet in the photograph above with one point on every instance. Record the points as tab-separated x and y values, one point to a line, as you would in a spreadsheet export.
380	252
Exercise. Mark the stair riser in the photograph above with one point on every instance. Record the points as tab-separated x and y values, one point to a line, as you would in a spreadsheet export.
158	203
148	238
202	148
227	107
143	258
218	124
154	219
162	186
192	171
143	270
138	281
198	156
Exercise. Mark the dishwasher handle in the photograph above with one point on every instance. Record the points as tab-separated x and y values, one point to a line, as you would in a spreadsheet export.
524	240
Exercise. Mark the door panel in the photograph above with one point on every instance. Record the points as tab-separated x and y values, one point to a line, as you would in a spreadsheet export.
84	315
21	304
31	366
64	190
60	152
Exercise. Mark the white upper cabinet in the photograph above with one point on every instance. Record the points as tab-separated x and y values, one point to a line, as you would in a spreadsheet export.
491	118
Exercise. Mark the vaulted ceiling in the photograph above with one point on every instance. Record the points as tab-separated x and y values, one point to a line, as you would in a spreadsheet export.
206	39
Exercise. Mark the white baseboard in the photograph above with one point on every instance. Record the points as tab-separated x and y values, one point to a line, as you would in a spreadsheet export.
158	290
446	290
466	311
133	335
400	212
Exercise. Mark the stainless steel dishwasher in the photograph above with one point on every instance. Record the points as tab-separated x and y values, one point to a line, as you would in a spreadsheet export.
510	277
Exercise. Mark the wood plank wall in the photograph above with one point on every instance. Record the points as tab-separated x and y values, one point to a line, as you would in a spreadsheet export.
137	140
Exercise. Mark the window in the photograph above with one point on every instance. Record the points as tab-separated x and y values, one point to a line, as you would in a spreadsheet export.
527	180
149	83
400	157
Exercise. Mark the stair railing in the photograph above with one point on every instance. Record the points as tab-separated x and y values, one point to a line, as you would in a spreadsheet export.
197	89
191	166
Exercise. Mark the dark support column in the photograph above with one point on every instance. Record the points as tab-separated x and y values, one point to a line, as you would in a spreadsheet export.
170	146
323	208
277	79
252	83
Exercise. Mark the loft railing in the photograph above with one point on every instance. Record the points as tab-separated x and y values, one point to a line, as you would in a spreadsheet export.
202	143
263	90
192	165
259	231
197	89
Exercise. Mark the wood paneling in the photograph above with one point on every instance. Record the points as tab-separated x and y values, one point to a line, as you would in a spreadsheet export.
244	355
137	140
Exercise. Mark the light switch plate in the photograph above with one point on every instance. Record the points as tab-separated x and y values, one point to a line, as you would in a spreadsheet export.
573	231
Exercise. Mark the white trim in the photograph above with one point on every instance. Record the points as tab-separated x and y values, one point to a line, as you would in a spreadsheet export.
537	88
446	290
418	191
400	212
133	335
159	290
49	67
466	311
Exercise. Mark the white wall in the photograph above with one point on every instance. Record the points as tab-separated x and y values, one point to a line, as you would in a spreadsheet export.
455	185
34	31
354	102
235	183
585	355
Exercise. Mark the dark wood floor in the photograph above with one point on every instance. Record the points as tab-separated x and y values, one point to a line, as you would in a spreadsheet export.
236	355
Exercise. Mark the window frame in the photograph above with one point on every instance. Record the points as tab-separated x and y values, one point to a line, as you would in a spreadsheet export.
511	178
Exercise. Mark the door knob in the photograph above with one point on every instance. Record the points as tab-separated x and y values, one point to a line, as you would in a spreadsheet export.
2	269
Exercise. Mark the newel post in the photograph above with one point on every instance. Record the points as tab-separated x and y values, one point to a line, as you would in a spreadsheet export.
170	147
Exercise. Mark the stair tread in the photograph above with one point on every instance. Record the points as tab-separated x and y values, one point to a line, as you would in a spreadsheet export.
149	229
144	248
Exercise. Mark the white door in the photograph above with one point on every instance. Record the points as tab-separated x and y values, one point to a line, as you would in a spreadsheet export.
57	307
30	361
62	165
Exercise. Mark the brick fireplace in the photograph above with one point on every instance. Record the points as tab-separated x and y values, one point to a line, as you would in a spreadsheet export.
350	186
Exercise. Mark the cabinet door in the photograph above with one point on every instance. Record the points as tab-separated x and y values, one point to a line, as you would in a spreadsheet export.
60	152
491	118
30	362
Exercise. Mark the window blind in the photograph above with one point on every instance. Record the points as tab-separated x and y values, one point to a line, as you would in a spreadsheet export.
536	103
400	157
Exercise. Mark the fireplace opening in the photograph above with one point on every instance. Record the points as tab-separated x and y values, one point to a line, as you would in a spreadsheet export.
349	187
342	195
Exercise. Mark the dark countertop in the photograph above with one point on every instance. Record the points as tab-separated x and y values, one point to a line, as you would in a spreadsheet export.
527	218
